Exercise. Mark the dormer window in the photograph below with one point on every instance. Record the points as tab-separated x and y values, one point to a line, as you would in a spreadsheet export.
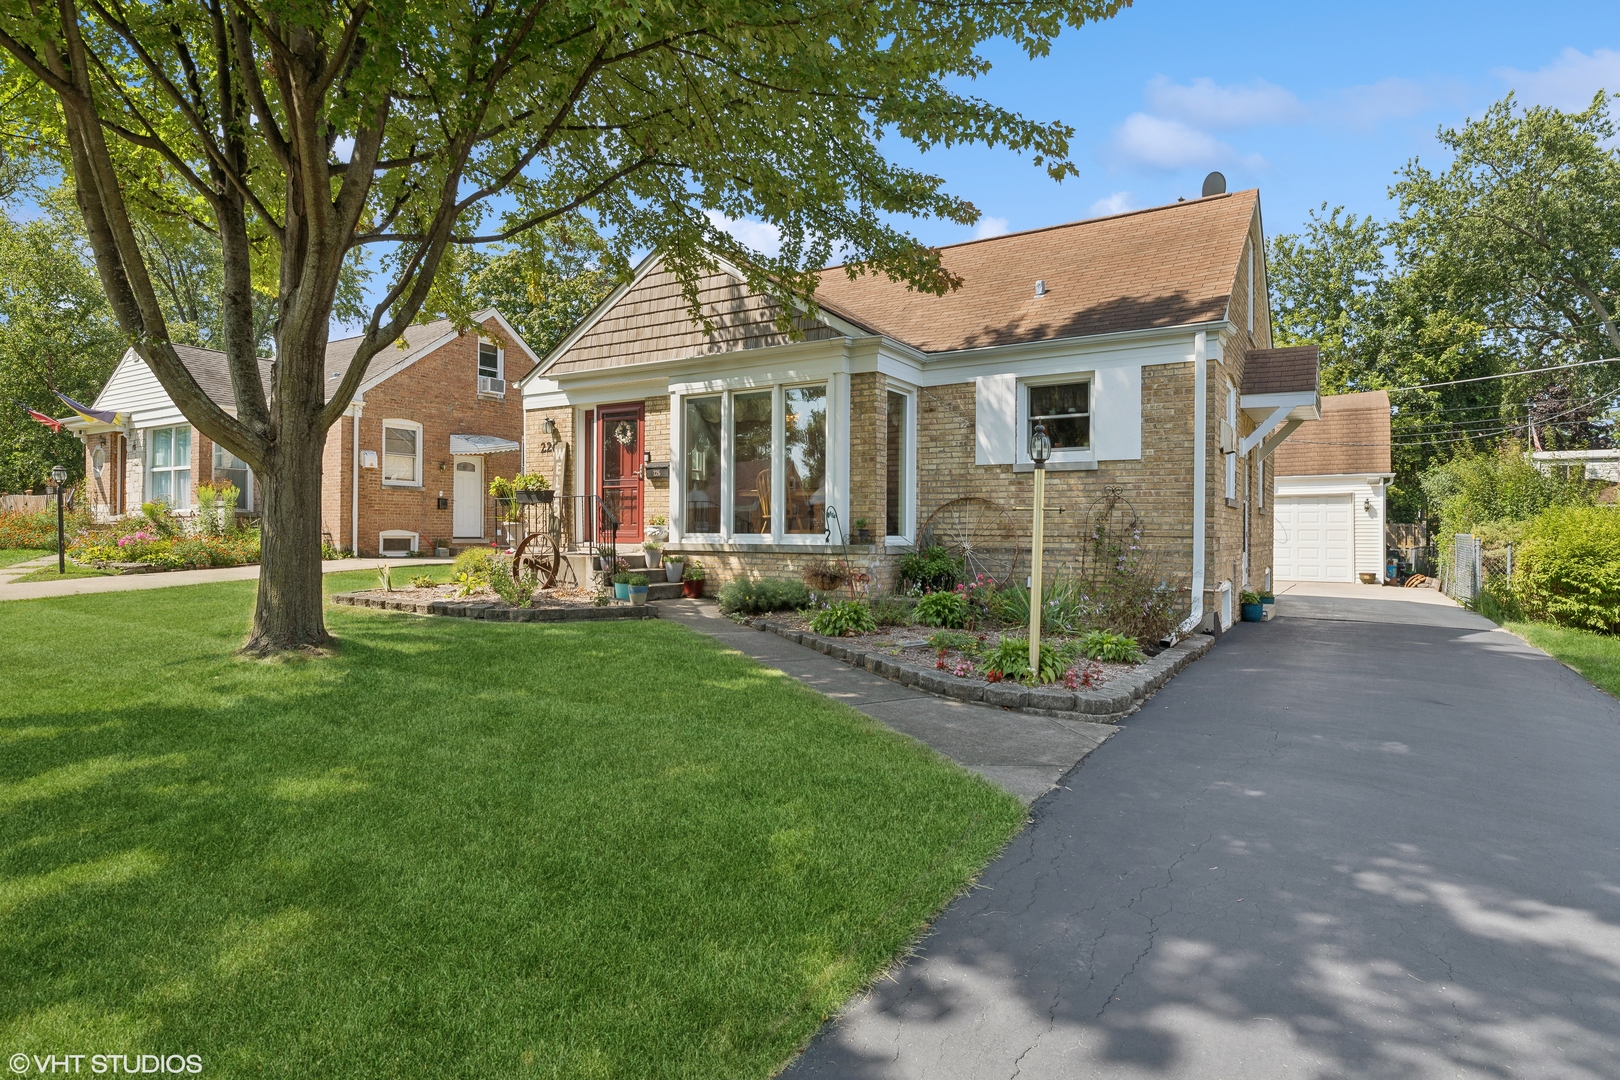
491	375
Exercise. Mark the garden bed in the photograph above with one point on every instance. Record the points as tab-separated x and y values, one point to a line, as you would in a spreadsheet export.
550	605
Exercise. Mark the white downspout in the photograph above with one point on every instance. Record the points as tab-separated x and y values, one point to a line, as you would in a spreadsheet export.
354	511
1200	424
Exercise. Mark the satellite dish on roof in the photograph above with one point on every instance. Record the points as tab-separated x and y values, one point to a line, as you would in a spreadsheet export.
1214	184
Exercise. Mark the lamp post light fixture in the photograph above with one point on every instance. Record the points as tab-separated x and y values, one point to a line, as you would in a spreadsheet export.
1040	448
59	477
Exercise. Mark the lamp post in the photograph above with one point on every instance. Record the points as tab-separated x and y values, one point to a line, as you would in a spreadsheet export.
1040	448
59	476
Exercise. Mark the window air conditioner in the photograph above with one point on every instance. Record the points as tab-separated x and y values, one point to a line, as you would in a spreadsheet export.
488	384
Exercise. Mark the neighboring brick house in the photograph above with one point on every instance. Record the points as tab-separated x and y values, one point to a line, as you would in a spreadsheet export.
1332	479
1132	337
434	418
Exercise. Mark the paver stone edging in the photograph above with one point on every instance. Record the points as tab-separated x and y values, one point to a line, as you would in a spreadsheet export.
1115	701
475	609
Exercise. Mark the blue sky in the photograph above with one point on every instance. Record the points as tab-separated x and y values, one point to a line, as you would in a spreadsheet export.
1311	103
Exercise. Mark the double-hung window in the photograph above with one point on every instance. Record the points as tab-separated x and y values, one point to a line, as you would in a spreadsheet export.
228	468
402	453
491	378
754	463
168	472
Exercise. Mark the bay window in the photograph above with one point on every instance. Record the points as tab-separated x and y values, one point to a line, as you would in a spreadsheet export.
168	476
754	463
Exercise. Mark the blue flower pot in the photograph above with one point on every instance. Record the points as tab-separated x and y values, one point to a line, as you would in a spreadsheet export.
621	590
1252	612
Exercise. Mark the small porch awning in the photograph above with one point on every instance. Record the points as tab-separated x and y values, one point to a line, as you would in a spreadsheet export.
471	445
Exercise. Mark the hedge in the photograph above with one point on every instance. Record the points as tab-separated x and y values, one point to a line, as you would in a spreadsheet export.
1567	568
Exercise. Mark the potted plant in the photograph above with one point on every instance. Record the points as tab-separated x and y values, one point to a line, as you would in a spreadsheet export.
652	549
863	534
657	528
531	488
441	548
1250	607
500	489
621	585
692	580
637	584
674	568
1268	605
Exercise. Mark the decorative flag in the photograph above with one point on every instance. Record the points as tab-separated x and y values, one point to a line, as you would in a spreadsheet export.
54	425
115	419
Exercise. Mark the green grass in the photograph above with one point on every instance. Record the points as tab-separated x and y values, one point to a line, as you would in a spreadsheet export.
13	556
48	573
450	849
1596	656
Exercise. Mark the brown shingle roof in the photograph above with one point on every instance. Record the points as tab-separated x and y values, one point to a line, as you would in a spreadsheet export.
1167	266
1351	437
1281	371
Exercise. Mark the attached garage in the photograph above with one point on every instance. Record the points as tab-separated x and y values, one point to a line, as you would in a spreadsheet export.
1314	538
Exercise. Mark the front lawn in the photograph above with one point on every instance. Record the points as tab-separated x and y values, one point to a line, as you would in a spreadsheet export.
450	849
48	573
13	556
1596	656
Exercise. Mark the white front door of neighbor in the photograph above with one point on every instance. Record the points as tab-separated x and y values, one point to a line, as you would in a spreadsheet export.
1312	541
468	504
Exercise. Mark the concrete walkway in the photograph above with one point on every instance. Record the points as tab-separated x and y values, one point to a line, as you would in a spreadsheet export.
34	590
1370	838
1024	754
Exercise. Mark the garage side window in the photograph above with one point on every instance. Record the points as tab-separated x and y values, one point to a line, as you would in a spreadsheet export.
402	453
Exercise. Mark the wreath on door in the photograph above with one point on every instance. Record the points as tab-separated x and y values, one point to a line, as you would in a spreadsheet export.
625	433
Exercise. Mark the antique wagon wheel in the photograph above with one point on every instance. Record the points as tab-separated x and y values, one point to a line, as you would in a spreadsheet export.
981	533
540	553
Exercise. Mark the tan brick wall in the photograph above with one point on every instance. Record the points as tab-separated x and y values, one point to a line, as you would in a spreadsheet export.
868	452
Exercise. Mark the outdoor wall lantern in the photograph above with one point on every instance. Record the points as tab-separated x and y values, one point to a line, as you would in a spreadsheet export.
1040	448
59	476
548	429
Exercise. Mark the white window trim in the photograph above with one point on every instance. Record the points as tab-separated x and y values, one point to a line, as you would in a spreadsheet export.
382	456
778	535
1231	459
908	470
396	534
151	450
1021	449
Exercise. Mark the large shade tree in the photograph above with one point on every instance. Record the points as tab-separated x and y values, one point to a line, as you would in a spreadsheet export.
314	130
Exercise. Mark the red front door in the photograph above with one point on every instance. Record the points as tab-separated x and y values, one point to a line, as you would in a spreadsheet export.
620	429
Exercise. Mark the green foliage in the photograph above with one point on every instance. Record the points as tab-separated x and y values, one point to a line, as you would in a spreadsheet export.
500	487
385	577
621	577
637	581
1502	487
1009	660
1497	601
931	569
530	482
841	618
1111	648
746	596
694	571
890	610
37	530
423	581
177	550
957	641
1567	570
517	591
473	569
947	609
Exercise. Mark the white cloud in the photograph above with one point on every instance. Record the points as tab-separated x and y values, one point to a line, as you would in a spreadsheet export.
989	226
1169	144
1205	104
1369	105
1117	203
761	236
1567	83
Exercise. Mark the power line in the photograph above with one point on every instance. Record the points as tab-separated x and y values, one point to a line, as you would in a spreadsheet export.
1506	375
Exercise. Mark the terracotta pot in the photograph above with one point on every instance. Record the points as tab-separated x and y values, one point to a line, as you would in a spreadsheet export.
692	590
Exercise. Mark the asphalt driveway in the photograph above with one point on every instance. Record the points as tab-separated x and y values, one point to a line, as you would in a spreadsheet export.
1367	839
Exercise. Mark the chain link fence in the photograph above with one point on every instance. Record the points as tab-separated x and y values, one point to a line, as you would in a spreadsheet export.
1468	568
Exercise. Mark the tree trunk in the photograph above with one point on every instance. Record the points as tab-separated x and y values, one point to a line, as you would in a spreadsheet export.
288	614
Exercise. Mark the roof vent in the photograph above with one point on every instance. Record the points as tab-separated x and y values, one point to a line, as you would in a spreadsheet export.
1214	184
1040	287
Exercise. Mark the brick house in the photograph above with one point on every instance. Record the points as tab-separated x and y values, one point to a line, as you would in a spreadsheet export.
407	463
1142	341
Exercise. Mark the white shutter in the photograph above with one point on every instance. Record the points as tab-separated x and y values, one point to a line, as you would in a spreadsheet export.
1116	413
995	415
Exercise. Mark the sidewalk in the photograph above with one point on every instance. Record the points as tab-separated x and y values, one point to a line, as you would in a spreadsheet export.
35	590
1024	754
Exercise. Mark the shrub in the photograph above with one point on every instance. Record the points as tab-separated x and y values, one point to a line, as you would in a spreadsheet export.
842	617
1110	648
517	591
947	609
38	530
474	560
930	569
890	610
748	597
1567	571
1474	488
1009	660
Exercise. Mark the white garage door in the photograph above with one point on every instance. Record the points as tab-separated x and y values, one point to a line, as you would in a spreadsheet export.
1313	538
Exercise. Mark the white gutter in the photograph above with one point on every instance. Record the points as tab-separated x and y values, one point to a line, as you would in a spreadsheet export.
354	511
1200	422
